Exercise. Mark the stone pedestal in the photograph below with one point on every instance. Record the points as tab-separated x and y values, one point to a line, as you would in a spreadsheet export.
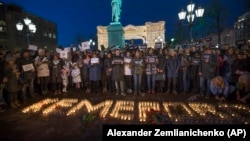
116	35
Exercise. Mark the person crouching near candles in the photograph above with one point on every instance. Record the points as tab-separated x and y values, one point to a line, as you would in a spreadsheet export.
76	76
55	76
95	73
221	89
12	85
243	88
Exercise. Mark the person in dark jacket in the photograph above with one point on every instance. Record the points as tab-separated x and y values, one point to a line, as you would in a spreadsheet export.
118	73
95	73
56	66
3	80
173	65
108	71
137	65
207	71
12	85
27	76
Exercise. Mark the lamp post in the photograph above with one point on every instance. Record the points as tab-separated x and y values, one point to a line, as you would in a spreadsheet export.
30	27
92	44
172	42
159	39
190	15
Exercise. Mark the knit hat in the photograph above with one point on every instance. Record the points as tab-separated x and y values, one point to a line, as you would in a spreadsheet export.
9	58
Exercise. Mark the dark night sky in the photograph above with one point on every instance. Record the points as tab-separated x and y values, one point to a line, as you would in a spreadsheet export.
80	17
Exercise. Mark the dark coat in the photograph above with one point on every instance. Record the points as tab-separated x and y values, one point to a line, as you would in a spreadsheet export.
55	73
208	69
12	84
173	65
95	71
26	75
107	66
117	69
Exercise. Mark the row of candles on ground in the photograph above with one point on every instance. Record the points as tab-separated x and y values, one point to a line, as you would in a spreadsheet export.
36	107
123	109
123	106
144	107
105	105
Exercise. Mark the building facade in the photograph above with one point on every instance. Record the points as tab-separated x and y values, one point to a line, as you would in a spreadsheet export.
150	33
14	40
242	29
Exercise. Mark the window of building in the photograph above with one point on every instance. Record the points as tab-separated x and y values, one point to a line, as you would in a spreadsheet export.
50	35
54	36
1	29
45	34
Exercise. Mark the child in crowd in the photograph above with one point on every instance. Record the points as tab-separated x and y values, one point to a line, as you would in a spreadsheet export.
76	76
65	81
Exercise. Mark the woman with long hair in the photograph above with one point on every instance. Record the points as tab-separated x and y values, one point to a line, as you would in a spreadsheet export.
221	88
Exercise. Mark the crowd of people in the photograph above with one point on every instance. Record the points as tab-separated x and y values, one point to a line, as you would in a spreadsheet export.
222	73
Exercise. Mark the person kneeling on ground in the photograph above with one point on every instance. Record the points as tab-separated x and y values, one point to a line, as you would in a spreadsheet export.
243	88
220	88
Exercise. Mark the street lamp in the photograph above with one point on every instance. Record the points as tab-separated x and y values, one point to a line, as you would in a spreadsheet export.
190	15
92	44
159	39
31	28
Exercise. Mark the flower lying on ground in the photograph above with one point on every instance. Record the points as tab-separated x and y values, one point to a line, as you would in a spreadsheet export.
88	117
157	117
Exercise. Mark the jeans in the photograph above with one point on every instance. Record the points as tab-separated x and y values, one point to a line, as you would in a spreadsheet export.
185	80
2	100
30	86
151	82
119	86
137	82
204	85
44	83
128	81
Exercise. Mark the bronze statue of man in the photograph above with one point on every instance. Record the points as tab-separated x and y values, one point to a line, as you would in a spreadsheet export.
116	10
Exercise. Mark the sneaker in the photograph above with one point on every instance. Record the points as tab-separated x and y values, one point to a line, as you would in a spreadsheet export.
175	92
17	103
217	97
142	94
123	94
222	98
168	92
116	93
2	110
12	105
135	93
149	92
104	90
153	92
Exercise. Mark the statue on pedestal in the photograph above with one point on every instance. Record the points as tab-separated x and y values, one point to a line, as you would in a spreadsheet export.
116	10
